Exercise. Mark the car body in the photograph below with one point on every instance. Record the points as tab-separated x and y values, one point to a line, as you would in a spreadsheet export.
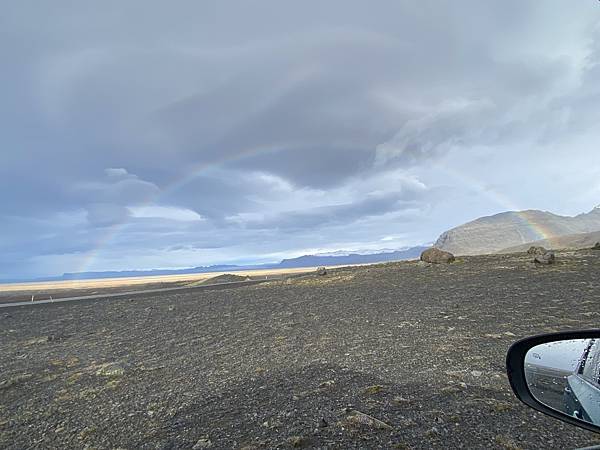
583	386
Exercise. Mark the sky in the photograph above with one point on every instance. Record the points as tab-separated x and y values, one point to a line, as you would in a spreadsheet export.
141	135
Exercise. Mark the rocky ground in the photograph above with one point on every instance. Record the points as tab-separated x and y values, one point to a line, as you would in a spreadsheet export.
401	355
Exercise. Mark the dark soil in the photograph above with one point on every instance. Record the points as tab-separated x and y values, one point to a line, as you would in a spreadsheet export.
398	355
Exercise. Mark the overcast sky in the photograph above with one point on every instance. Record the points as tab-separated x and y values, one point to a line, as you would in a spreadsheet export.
169	134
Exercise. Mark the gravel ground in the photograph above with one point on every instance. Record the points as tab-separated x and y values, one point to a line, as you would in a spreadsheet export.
399	355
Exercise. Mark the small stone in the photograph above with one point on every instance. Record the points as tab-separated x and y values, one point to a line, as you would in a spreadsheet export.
407	423
357	418
202	443
323	423
493	336
432	432
399	400
476	373
321	271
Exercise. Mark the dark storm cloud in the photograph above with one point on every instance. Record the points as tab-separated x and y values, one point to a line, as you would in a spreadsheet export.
281	118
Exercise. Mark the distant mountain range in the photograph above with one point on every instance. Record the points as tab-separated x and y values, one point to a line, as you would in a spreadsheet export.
512	229
331	259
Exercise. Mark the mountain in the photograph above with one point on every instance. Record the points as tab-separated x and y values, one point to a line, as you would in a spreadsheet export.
352	258
330	259
569	241
491	234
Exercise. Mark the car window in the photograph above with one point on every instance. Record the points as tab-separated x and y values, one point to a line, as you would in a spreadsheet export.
590	369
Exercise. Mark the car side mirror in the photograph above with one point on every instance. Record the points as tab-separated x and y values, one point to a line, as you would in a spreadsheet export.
559	375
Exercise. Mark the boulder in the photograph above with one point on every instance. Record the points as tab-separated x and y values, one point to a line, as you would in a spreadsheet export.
546	258
436	256
321	271
536	250
596	246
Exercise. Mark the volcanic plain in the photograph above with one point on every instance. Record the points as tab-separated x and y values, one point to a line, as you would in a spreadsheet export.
398	355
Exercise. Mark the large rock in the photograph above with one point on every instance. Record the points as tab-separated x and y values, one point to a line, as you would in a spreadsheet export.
536	250
436	256
546	258
596	246
321	271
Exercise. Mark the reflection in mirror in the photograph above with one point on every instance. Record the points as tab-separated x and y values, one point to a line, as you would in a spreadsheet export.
565	375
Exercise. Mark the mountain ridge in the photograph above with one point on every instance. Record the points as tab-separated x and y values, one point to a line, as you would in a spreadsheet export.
494	233
298	262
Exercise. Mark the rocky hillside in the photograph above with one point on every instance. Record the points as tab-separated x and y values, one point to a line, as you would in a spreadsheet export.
514	228
570	241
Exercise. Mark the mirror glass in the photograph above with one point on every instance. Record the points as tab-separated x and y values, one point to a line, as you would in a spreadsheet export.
565	375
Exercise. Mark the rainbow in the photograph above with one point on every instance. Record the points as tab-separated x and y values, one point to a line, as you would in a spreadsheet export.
114	230
537	229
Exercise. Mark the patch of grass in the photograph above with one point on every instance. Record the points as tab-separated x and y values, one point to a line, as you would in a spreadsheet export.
401	446
506	443
449	390
298	441
74	378
85	433
50	377
88	394
372	390
502	407
64	396
14	381
113	384
35	341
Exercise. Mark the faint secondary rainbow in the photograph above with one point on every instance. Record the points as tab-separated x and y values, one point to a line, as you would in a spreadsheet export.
114	230
539	230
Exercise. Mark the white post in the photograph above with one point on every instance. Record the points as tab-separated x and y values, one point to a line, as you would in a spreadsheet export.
32	298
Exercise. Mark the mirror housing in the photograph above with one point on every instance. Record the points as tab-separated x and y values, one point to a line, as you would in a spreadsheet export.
517	373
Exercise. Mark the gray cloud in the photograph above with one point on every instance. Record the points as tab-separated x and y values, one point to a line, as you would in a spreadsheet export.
261	132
